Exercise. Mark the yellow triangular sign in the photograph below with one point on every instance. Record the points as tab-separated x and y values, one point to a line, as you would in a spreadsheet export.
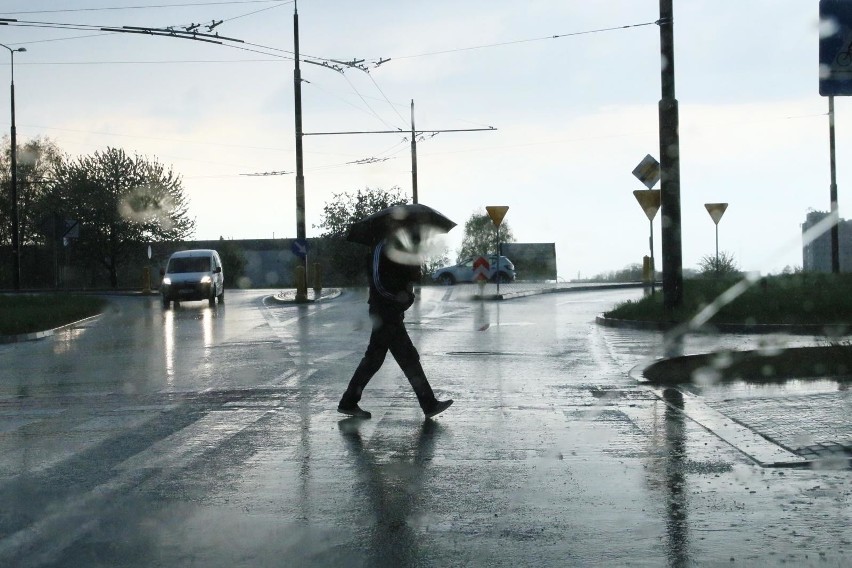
649	201
497	212
716	210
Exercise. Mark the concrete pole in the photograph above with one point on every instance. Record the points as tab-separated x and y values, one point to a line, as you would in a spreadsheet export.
835	236
301	286
13	151
413	157
670	165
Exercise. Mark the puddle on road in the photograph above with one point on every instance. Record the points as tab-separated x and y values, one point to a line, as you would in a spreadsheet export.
766	389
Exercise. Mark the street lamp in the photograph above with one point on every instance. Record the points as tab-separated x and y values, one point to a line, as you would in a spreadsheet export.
16	243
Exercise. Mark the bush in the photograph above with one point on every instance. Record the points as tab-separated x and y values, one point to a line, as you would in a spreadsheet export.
718	267
32	313
804	298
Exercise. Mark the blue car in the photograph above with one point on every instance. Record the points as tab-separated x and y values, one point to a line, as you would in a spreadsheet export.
463	271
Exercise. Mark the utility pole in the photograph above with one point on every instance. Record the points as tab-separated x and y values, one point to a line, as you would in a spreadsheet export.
13	151
413	157
301	288
835	231
414	134
670	165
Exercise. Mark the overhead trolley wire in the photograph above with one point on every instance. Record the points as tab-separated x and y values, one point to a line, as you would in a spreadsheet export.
515	42
145	7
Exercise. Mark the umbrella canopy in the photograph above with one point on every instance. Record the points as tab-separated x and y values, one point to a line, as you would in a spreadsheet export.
375	227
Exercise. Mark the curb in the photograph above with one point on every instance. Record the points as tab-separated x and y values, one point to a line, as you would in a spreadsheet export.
830	330
289	296
36	335
758	448
539	292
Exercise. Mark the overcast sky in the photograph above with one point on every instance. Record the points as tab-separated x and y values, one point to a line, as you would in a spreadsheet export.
573	114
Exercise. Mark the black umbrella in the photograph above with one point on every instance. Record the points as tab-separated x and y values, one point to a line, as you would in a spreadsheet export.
375	227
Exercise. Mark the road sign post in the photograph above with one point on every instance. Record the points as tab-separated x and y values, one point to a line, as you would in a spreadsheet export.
649	201
480	272
716	211
835	79
649	173
497	212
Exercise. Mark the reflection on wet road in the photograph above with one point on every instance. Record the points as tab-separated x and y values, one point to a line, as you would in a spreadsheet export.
209	437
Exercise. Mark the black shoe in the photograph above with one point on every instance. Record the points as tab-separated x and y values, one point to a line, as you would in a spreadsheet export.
440	406
353	410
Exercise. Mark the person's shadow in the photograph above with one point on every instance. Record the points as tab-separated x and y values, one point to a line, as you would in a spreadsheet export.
393	488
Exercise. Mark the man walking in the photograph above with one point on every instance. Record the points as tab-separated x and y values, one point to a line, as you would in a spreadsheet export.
391	293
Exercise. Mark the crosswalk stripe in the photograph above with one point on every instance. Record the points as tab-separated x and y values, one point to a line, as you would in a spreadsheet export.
182	447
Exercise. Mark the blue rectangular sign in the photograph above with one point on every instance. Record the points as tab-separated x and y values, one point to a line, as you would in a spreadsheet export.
835	47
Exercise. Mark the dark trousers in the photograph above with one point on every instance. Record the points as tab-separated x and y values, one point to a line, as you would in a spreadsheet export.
389	334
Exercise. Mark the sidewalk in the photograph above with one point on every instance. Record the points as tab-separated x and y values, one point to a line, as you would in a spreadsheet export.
775	417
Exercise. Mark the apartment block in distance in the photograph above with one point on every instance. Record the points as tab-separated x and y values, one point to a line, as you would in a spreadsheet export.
816	256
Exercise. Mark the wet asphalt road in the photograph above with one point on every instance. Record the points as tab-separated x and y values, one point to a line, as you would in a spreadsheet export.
209	437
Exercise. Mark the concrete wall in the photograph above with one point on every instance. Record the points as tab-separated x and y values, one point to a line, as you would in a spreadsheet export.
533	261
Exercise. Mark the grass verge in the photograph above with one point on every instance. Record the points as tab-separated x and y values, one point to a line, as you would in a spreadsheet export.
833	361
798	299
40	312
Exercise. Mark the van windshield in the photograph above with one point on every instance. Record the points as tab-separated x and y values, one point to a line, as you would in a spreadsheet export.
189	264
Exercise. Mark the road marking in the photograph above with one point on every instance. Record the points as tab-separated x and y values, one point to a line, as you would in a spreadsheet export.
746	440
335	355
186	445
290	378
44	540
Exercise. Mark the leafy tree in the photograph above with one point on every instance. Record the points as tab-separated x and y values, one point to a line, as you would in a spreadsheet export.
36	160
345	259
630	273
480	236
348	207
725	265
121	203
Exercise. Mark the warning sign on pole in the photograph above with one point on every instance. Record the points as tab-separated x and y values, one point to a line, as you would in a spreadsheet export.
497	212
716	210
481	267
649	201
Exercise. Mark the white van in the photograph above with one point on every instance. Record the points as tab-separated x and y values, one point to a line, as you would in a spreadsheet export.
193	275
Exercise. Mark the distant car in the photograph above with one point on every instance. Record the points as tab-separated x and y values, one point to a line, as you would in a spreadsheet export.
463	271
193	275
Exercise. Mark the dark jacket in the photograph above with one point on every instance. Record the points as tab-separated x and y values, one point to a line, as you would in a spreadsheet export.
391	283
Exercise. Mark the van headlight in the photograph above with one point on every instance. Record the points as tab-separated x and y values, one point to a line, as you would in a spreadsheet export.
206	279
167	281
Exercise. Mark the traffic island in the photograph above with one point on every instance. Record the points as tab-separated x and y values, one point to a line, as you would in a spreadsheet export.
289	296
833	361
